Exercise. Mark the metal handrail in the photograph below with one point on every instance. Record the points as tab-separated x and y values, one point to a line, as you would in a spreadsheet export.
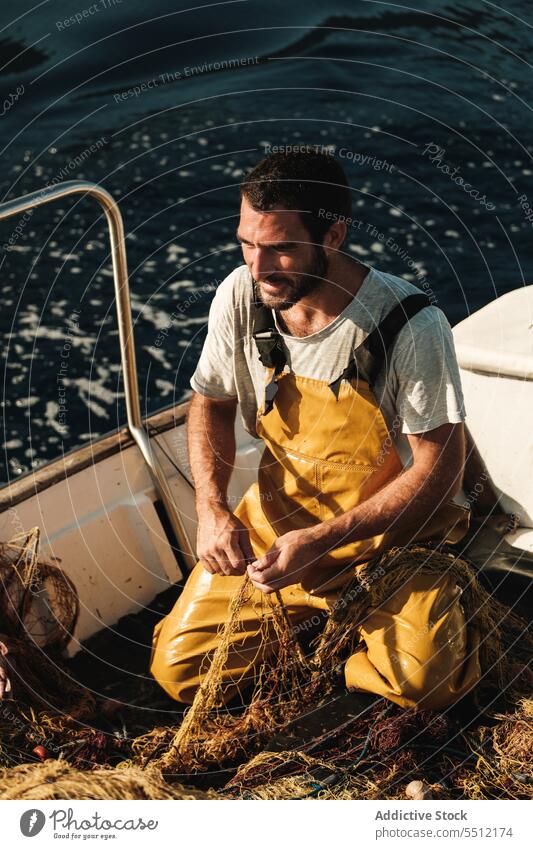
125	328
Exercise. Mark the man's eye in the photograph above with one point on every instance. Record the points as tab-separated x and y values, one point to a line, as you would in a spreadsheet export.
281	249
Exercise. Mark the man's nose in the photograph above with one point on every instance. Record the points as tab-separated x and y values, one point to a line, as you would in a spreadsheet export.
263	263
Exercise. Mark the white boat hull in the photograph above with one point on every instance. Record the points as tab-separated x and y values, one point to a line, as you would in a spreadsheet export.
101	521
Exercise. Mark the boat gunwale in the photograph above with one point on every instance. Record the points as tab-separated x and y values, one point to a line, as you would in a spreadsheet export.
77	459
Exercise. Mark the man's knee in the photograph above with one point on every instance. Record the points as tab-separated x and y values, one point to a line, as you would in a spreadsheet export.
428	672
440	664
434	684
420	650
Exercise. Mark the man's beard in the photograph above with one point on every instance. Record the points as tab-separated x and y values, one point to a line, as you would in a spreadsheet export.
308	281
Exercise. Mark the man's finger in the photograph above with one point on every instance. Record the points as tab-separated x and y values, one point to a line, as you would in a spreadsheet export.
246	546
208	566
265	588
264	576
267	560
236	558
224	565
239	568
217	565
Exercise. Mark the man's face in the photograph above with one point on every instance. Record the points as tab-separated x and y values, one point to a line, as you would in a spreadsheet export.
279	254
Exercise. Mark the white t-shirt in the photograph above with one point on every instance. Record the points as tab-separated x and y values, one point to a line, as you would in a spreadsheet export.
418	388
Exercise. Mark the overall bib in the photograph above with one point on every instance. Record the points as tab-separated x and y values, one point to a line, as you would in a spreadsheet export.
327	449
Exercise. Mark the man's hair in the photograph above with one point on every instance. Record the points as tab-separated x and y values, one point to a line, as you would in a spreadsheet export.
313	184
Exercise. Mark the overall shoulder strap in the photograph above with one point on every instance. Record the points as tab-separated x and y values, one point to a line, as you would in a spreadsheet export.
269	345
372	352
268	340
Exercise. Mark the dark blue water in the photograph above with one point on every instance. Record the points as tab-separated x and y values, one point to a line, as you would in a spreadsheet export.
168	108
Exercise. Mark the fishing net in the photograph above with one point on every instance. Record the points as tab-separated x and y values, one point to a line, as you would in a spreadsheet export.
59	780
503	760
512	741
212	735
374	754
379	754
38	613
371	756
36	597
291	684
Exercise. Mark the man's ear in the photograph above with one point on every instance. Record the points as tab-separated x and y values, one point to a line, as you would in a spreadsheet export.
335	236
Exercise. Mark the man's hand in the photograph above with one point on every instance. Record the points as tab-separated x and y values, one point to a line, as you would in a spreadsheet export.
223	543
291	558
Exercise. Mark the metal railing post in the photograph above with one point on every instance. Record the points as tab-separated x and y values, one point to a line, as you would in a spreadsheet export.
125	328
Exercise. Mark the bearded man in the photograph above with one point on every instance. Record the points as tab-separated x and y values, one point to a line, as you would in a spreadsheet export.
348	375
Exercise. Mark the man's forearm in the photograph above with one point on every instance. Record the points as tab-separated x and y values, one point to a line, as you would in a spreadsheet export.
211	441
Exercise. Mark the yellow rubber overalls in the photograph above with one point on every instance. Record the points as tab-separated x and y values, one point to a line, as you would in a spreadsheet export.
327	449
